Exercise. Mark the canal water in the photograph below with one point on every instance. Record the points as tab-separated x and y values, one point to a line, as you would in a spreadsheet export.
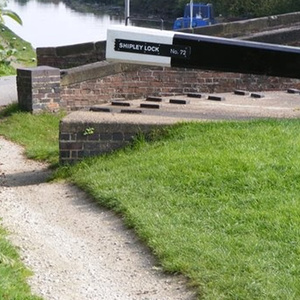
52	23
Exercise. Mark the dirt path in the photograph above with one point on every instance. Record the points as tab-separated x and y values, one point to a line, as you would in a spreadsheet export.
76	249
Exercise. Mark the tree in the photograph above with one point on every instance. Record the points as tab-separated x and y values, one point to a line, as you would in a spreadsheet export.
8	12
254	8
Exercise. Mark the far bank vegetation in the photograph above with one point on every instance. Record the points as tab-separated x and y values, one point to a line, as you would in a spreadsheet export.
226	8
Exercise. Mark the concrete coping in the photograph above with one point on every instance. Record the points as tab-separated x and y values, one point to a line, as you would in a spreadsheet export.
88	117
282	33
95	70
70	50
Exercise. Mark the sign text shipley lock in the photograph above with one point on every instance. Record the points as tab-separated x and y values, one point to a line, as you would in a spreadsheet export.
153	48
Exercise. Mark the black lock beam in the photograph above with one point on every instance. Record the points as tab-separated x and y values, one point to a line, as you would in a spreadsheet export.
231	55
167	48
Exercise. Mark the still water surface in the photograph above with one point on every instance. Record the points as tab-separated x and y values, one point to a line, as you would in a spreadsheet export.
47	24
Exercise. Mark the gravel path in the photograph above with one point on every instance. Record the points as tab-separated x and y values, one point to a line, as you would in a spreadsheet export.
76	249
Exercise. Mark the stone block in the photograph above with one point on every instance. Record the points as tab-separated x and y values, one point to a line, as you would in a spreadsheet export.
215	98
241	92
75	49
149	105
179	101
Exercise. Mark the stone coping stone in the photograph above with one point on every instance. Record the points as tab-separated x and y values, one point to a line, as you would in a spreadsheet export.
94	71
88	117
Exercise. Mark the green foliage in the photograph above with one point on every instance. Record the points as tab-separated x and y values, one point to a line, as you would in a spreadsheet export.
6	69
227	8
6	55
7	50
7	12
15	52
258	8
89	131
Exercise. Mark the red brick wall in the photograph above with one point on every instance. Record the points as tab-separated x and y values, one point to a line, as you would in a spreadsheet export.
163	81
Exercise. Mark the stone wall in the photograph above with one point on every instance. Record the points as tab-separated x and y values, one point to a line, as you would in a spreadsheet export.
248	27
70	56
286	36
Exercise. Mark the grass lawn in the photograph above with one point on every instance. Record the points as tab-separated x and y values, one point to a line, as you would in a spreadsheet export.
218	202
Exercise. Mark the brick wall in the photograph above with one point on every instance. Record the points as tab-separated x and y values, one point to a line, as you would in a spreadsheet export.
143	82
47	88
85	134
39	89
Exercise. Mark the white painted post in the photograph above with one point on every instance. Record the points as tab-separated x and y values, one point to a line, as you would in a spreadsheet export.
191	13
127	11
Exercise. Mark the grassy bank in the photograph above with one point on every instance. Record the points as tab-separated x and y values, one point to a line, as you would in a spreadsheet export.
218	202
24	56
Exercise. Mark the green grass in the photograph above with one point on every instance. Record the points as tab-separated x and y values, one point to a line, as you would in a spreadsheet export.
216	201
38	133
12	273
